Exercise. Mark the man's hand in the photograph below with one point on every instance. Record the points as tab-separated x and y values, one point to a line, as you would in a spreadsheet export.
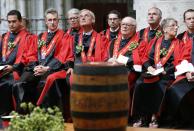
190	77
7	69
40	70
151	69
70	71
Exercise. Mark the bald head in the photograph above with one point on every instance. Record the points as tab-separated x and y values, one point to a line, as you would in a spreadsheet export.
128	26
129	20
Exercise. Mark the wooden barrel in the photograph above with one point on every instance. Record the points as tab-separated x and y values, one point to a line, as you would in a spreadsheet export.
100	97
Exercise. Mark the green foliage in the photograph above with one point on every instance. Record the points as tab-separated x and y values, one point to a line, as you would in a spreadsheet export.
163	51
41	43
79	48
133	46
158	34
11	45
37	120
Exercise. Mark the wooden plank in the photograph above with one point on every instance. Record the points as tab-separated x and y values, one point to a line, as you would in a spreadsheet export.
69	127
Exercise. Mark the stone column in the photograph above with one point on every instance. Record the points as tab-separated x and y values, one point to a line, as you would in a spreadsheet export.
67	5
59	7
37	16
170	8
6	6
22	7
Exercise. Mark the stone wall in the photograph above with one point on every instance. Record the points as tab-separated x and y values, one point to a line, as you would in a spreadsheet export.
34	11
170	8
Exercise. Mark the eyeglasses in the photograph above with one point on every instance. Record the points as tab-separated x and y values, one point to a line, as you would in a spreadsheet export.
73	18
113	19
128	25
173	26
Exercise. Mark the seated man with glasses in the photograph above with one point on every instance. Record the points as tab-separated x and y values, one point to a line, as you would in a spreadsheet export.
49	59
126	49
73	21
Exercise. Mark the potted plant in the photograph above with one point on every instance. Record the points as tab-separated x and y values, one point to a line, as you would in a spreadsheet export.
36	119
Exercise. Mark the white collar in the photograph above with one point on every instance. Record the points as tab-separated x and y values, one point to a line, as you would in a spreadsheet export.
52	31
88	33
155	28
111	30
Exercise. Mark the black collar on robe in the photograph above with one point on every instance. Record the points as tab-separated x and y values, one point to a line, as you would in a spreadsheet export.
165	44
50	37
191	35
123	43
86	40
113	35
152	34
12	36
74	32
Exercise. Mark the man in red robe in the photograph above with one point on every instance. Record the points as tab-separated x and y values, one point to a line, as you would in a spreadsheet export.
188	19
91	46
49	60
11	61
154	18
114	19
126	49
180	96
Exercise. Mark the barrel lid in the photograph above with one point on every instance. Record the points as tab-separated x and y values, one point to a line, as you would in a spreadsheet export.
100	68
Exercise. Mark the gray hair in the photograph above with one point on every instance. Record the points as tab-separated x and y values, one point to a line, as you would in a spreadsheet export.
165	22
159	11
73	11
51	11
91	14
131	19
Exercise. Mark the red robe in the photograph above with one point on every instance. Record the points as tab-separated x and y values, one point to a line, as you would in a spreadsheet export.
100	43
148	87
177	50
136	56
186	54
144	34
65	55
14	57
107	32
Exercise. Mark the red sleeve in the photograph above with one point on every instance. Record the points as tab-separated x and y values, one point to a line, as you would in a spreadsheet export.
31	49
21	49
101	52
186	51
142	49
59	46
65	49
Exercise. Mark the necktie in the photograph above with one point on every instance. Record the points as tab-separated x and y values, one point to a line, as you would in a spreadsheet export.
49	37
152	34
12	37
86	40
123	42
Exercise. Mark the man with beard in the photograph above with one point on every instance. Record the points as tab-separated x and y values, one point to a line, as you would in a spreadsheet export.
181	94
114	19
